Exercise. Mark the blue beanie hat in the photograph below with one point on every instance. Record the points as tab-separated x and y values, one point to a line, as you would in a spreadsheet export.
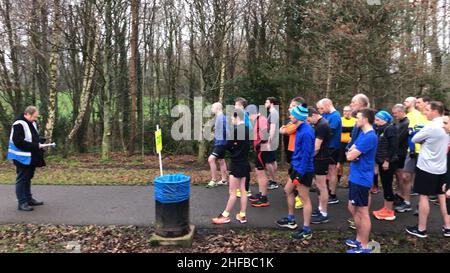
384	116
300	112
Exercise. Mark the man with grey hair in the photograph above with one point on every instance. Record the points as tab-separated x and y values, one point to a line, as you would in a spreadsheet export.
401	203
26	151
358	103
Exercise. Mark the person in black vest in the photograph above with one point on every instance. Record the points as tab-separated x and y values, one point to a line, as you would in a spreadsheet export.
401	199
26	151
239	146
387	160
322	159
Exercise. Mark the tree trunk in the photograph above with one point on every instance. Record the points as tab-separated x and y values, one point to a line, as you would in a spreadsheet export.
122	71
133	73
38	37
89	68
53	73
201	142
13	43
107	90
222	70
436	55
329	75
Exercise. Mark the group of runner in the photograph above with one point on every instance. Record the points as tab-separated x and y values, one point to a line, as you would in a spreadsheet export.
410	142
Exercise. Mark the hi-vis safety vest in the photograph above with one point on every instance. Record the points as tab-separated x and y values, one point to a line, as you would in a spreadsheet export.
15	153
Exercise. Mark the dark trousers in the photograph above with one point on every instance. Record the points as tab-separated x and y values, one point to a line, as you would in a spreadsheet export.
386	180
23	183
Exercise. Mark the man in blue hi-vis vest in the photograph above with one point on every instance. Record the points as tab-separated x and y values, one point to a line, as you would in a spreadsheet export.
26	151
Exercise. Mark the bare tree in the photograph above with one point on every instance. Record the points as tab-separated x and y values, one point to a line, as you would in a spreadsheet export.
56	36
133	73
89	68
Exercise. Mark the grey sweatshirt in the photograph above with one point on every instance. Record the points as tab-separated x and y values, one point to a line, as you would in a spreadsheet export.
433	152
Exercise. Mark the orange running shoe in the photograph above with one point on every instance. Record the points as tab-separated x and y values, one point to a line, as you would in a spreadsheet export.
220	220
384	214
241	219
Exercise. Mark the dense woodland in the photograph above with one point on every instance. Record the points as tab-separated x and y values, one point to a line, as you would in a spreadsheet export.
104	73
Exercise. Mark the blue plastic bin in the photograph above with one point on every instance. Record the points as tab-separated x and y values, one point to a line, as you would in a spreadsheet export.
172	205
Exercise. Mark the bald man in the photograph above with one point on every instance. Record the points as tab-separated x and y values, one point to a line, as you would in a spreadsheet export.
334	119
417	120
218	154
358	102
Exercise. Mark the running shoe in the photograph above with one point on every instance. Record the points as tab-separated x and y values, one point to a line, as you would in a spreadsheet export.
333	200
302	235
359	250
315	212
353	243
446	232
403	207
416	232
222	183
241	219
285	223
211	184
272	185
320	219
261	203
254	197
220	220
384	214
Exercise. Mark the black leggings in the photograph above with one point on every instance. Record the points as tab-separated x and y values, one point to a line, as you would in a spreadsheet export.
386	180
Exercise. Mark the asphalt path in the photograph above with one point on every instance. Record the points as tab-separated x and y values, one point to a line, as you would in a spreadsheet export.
135	205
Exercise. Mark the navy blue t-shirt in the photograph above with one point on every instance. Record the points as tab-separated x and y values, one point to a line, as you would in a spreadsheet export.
362	170
334	119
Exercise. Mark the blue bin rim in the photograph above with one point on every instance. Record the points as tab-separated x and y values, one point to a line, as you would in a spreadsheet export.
169	178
